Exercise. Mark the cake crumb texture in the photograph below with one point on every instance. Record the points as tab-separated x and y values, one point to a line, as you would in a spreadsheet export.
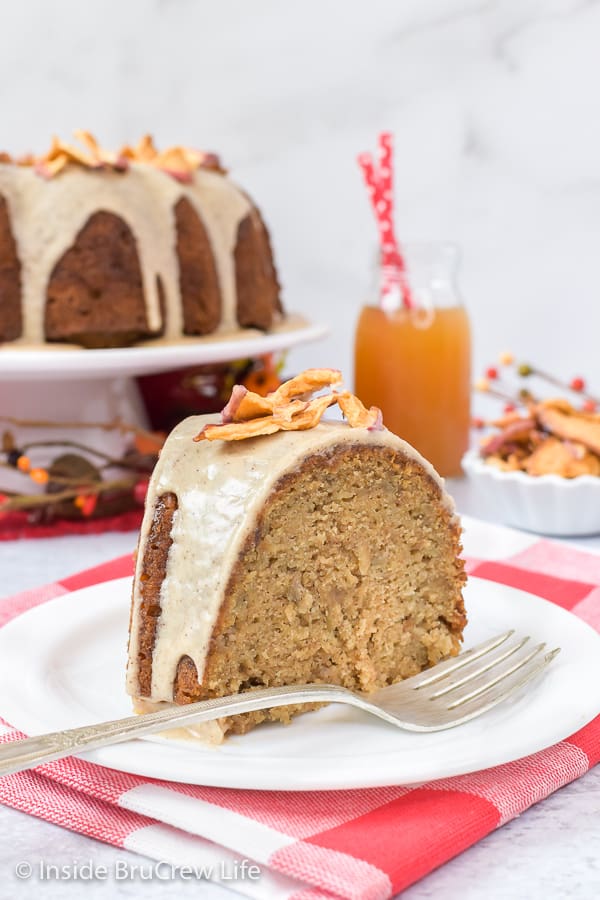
351	576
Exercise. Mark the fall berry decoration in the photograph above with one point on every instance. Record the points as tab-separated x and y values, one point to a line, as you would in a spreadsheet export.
12	457
494	385
263	376
525	396
506	359
149	443
19	460
72	485
23	463
86	503
577	385
483	386
489	384
40	476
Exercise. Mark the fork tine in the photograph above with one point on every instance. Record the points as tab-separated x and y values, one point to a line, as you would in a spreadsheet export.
477	667
518	668
416	711
470	709
441	670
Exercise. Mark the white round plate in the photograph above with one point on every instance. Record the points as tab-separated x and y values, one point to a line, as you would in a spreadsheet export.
62	664
58	363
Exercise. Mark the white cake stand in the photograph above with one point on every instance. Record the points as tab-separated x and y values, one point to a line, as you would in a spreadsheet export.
69	384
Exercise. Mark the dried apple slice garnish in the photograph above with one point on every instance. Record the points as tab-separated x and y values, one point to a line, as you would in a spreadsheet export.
289	408
239	431
357	415
178	161
244	405
291	411
306	384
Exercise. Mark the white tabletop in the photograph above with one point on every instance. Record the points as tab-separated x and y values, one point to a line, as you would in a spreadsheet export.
551	851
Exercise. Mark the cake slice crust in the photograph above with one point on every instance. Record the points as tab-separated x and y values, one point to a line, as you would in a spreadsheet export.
349	574
11	319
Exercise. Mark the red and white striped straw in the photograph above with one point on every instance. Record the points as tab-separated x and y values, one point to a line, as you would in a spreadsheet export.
380	186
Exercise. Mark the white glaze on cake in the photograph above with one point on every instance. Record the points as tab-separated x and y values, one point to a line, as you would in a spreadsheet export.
47	215
221	488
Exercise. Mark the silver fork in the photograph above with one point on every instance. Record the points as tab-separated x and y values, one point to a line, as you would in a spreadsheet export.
446	695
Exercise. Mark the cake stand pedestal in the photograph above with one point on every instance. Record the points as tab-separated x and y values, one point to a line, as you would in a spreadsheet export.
64	384
100	400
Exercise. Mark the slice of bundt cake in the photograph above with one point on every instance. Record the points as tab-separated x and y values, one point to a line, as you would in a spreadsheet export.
278	549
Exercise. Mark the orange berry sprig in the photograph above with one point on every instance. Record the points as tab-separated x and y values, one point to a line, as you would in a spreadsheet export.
84	499
491	384
18	460
492	373
506	358
83	490
577	385
484	386
86	503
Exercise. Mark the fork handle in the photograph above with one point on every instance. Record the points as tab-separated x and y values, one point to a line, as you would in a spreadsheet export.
15	756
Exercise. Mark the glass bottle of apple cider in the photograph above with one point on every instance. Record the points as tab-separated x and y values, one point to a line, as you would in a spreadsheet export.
414	363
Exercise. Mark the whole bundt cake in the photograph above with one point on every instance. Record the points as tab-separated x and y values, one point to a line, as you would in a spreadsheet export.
105	250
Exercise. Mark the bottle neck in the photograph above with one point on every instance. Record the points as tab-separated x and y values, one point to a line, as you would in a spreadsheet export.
431	270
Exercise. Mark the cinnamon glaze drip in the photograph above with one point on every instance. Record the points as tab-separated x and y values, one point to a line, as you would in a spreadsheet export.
220	489
184	235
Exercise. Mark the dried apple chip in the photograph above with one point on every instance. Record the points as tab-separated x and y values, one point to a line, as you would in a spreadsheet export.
357	415
239	431
307	383
288	409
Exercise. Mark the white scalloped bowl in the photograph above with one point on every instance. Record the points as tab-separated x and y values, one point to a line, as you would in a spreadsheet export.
547	504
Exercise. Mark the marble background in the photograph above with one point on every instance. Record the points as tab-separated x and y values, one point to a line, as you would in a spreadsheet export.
494	106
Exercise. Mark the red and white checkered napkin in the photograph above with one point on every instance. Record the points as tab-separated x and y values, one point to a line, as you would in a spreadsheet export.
322	845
